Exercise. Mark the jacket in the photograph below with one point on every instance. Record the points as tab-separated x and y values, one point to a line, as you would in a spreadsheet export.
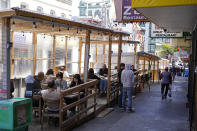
166	78
127	76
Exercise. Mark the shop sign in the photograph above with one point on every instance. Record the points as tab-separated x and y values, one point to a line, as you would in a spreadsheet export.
157	32
129	14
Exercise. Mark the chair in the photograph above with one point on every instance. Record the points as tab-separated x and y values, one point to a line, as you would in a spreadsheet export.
47	114
39	108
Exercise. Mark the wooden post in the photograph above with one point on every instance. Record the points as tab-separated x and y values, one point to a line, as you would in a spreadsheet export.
35	52
135	56
96	54
154	72
86	56
80	52
54	46
104	52
158	70
109	70
144	71
119	52
12	54
66	51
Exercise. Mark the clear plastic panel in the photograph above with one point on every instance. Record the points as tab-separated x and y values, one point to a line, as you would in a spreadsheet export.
60	51
23	46
22	68
44	46
43	65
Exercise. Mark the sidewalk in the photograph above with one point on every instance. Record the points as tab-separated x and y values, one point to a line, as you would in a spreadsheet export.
152	113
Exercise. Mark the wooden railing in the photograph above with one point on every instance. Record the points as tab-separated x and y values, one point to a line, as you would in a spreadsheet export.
115	88
81	113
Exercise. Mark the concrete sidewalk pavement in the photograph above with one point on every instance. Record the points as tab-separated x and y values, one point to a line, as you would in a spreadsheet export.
152	113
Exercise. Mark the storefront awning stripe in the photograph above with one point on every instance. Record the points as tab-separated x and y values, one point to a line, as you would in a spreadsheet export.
161	3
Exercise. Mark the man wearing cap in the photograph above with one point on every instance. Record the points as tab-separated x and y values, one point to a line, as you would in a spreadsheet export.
166	81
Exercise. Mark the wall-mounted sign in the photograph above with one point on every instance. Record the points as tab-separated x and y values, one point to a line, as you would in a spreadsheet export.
125	13
129	14
157	32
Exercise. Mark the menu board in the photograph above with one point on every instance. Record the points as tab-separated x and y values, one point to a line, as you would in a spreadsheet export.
20	115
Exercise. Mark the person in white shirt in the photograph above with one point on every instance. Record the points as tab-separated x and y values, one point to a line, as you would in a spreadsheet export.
51	97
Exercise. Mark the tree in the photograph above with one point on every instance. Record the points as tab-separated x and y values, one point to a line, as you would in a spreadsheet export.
166	50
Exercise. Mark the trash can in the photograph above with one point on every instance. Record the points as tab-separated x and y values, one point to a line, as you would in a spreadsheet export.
16	114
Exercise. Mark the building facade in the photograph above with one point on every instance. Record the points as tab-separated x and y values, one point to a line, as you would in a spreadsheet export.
102	11
59	8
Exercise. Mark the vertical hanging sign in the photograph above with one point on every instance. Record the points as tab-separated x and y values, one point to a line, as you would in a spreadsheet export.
129	14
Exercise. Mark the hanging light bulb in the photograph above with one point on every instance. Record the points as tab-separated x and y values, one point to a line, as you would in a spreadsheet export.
68	27
77	31
34	25
53	26
23	33
13	23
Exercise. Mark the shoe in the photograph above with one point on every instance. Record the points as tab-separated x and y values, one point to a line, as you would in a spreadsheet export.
123	109
131	110
163	97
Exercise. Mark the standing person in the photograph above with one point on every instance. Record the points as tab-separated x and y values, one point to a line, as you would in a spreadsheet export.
165	83
173	73
122	67
127	79
60	82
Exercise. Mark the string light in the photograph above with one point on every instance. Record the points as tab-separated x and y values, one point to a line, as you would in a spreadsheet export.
13	23
53	27
34	25
68	27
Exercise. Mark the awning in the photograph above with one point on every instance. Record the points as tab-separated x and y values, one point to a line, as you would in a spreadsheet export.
173	15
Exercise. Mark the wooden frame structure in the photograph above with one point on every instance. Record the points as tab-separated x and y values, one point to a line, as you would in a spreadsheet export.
148	63
20	20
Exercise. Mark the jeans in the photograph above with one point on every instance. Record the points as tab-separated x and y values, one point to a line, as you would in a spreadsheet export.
103	85
164	86
127	91
120	97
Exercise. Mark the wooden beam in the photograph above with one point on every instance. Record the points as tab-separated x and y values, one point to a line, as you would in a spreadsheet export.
109	69
54	46
86	55
66	51
12	55
119	52
104	52
96	54
135	55
80	54
35	52
144	71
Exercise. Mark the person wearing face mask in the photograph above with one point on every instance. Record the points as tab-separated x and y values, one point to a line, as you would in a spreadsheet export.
60	82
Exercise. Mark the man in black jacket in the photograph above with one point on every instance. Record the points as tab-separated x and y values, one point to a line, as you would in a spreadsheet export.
103	71
122	67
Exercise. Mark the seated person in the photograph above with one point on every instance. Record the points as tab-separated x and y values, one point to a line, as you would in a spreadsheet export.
65	73
76	81
33	87
91	74
49	75
60	82
52	97
37	82
103	71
